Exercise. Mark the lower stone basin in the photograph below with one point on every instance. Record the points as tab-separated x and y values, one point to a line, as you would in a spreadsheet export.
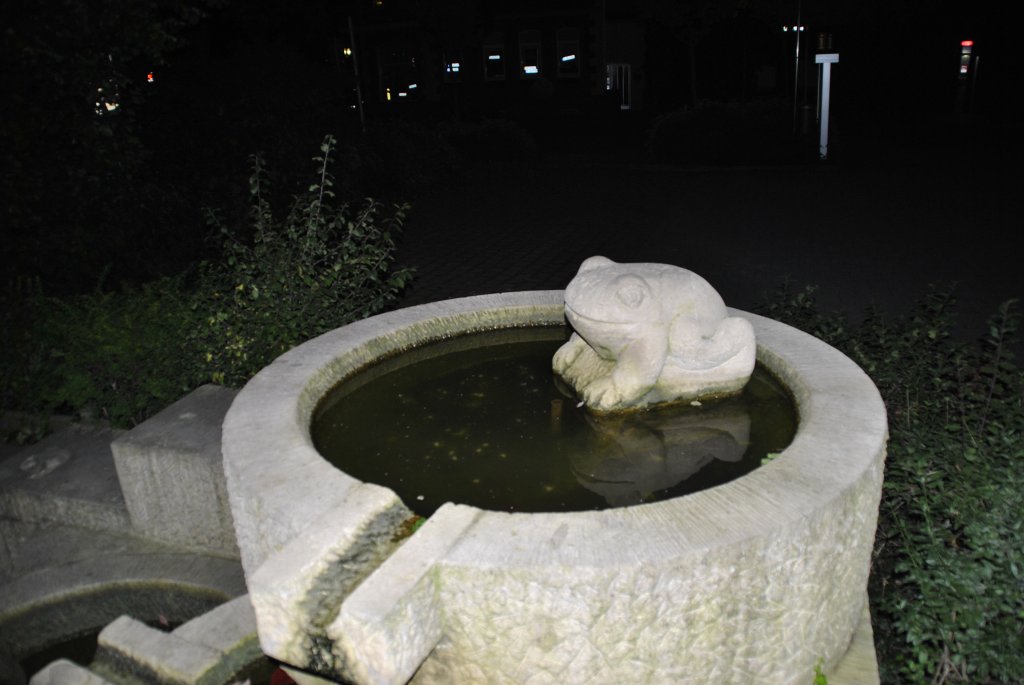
754	581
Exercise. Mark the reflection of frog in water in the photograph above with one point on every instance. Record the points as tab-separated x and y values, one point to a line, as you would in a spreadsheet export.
647	333
640	453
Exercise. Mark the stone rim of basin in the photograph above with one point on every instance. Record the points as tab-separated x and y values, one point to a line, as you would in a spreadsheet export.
335	592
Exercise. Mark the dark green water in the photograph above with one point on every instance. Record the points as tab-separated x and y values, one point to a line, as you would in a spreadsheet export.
482	420
80	649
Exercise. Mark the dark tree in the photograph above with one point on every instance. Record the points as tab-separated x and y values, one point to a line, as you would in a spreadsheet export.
689	23
79	193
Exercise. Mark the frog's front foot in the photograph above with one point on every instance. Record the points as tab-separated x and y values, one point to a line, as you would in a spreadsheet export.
567	354
602	394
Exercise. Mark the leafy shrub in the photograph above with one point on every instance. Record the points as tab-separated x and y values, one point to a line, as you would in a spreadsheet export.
118	356
725	133
322	265
947	588
126	354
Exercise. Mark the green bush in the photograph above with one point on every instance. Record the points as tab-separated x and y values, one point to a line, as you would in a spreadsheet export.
322	265
124	355
947	586
119	356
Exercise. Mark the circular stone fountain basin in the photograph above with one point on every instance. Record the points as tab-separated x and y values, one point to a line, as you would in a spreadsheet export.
754	581
481	420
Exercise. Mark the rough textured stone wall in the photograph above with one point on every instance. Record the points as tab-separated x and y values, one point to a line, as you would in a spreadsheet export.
758	611
753	581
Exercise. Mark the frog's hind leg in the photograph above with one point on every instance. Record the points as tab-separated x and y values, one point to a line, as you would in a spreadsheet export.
695	349
734	337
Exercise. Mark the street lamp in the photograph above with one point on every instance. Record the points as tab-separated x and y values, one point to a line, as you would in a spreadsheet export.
798	29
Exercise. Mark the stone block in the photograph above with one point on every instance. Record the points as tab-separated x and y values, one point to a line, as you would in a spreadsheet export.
860	664
299	589
393	619
229	629
64	672
171	473
68	478
210	649
131	648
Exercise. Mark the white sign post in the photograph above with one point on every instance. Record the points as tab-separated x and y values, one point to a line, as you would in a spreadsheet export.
826	59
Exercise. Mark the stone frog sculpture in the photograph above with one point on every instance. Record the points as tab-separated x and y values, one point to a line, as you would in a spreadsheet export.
650	333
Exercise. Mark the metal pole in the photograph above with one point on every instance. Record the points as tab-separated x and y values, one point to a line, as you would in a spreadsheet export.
355	68
796	65
823	137
826	61
817	108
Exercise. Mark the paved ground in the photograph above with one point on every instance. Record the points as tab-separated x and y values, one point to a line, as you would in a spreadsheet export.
874	229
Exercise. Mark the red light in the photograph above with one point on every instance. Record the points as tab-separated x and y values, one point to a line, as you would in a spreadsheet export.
150	78
966	43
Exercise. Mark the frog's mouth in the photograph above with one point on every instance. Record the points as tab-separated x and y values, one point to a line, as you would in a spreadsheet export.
575	316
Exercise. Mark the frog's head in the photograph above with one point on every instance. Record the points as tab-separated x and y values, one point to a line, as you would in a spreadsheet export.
605	295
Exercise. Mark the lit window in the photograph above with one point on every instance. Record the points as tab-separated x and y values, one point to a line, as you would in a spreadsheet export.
452	66
396	72
568	53
494	59
529	53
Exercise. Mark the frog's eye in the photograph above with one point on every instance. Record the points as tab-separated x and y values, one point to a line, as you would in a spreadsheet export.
632	295
631	290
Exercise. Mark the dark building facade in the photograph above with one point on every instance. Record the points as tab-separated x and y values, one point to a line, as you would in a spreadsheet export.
495	59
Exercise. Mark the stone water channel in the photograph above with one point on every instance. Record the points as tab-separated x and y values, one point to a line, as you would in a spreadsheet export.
118	561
